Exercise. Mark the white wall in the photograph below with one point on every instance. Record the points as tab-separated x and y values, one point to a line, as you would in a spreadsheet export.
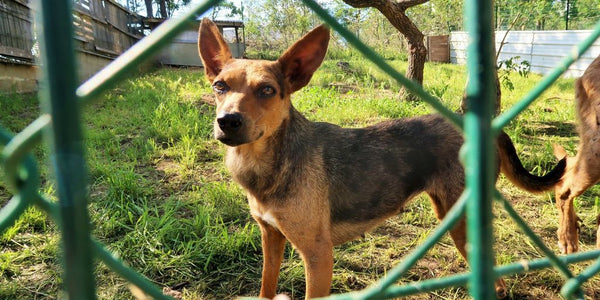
543	49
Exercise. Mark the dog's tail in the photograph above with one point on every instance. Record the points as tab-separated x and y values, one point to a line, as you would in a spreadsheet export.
512	167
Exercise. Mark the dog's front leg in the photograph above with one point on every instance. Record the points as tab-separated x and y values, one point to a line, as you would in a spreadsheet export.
273	244
318	264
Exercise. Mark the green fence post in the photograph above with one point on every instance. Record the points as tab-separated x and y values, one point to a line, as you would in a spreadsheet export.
65	140
480	166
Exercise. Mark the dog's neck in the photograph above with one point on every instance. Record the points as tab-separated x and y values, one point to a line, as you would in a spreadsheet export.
258	165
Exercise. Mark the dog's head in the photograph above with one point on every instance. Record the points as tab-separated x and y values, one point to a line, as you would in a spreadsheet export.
253	96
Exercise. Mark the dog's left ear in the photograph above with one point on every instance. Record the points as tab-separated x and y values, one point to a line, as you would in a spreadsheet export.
302	59
212	48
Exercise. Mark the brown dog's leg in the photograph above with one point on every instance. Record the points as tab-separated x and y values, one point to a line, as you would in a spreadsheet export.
441	206
273	244
318	263
568	233
598	232
568	238
458	234
313	242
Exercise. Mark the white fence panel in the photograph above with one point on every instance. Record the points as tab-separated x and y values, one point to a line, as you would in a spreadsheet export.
543	49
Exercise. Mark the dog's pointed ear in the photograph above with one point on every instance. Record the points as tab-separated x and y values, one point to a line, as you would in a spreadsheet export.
302	59
559	151
212	48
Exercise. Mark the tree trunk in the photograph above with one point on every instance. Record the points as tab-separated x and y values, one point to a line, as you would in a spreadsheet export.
162	5
395	12
149	13
416	62
498	104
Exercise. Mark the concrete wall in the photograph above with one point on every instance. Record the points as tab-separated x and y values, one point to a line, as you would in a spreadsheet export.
20	78
23	78
89	64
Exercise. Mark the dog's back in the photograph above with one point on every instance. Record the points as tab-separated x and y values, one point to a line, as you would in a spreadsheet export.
374	170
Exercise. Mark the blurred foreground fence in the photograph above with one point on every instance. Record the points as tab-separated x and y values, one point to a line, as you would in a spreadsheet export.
61	122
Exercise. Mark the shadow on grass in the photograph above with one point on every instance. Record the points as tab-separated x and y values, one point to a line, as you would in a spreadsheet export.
552	128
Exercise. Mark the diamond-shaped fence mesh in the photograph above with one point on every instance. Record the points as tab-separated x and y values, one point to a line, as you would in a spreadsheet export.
61	126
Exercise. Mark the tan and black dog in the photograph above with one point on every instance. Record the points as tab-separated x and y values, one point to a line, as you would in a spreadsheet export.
316	184
583	170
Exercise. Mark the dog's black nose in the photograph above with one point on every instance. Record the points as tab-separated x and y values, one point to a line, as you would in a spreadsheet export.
229	122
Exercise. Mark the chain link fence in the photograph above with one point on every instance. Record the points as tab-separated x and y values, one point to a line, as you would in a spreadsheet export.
61	126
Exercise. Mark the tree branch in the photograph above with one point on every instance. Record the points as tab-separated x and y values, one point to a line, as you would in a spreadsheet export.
404	4
408	3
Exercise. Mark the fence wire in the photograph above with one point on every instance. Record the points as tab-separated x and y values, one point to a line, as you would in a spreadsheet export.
60	123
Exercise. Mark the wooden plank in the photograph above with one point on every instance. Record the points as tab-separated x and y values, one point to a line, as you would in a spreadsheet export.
24	3
438	48
108	51
89	14
120	7
16	52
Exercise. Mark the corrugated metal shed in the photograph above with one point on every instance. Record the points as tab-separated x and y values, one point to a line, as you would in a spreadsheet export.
543	49
183	50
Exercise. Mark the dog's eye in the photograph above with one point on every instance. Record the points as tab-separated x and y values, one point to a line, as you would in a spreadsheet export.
266	91
220	87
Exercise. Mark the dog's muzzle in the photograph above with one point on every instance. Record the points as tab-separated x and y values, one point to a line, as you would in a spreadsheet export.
230	123
229	129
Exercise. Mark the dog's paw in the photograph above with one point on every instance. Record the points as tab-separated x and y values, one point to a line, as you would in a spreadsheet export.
598	233
568	243
501	289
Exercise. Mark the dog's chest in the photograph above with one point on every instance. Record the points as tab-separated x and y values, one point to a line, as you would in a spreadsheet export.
262	213
247	170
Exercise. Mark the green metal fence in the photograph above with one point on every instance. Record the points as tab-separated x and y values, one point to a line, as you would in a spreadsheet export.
60	123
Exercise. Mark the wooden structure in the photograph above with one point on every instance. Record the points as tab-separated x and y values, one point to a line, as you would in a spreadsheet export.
103	27
438	49
103	30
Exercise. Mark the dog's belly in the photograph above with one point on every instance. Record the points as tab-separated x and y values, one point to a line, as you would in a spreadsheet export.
343	232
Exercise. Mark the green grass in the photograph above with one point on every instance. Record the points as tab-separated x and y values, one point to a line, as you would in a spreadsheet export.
161	199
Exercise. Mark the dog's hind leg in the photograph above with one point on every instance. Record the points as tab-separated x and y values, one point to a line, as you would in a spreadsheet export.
442	203
598	232
576	180
273	244
568	227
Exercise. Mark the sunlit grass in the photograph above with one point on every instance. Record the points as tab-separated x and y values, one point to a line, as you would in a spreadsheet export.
162	200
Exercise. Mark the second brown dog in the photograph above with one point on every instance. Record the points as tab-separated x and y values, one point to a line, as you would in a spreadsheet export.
583	170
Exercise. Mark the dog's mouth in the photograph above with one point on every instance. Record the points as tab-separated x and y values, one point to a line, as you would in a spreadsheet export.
235	140
232	142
